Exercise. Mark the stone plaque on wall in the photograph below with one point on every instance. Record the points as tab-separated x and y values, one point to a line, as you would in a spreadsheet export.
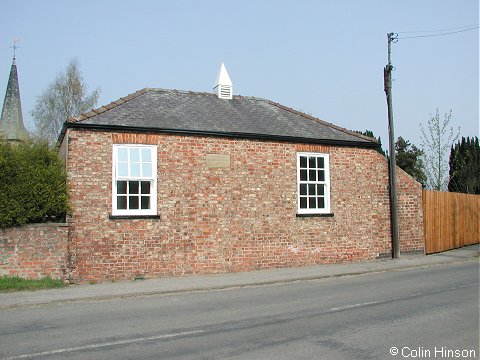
218	161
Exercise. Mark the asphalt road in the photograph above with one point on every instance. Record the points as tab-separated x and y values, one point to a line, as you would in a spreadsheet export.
429	313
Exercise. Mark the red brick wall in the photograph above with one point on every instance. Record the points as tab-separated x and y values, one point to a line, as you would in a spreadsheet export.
229	219
34	251
410	214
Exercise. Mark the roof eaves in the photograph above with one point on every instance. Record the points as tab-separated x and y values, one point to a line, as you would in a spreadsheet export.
238	135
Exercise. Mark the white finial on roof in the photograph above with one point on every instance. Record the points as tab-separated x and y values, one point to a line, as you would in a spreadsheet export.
223	85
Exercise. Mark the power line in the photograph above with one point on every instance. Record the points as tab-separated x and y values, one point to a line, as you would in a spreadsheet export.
430	31
442	34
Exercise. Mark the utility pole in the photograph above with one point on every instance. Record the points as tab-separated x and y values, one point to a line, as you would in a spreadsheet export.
392	173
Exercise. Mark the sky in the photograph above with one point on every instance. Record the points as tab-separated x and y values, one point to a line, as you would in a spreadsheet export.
322	57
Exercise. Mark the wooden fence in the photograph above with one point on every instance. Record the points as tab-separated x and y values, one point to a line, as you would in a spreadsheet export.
451	220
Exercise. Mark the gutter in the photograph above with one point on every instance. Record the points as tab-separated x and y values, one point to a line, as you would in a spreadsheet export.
234	135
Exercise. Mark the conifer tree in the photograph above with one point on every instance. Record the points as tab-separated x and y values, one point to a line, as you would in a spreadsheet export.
409	158
465	166
369	133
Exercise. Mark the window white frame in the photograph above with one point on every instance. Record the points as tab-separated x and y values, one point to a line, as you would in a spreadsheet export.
313	183
134	180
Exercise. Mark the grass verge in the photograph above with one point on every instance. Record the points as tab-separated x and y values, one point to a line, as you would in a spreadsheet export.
14	283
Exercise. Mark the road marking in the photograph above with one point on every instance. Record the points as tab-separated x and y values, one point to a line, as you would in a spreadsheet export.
400	298
105	344
354	306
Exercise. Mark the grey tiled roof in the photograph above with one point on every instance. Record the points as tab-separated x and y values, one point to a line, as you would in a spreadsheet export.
205	113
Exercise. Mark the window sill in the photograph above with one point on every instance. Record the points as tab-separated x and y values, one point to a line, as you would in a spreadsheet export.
315	215
132	217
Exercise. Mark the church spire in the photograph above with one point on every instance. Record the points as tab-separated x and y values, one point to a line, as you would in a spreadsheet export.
11	121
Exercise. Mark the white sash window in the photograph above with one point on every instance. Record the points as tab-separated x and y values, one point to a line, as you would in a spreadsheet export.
134	180
313	183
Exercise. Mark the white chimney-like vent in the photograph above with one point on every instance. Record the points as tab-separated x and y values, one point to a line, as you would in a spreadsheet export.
223	87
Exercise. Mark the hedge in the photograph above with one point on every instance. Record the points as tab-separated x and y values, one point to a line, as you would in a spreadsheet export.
32	184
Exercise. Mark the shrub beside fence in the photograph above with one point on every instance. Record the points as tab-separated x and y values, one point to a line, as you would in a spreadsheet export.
451	220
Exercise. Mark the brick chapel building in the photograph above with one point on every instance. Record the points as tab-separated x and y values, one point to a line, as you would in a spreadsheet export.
167	182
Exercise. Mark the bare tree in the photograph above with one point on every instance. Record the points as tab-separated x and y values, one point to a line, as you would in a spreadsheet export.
64	97
436	142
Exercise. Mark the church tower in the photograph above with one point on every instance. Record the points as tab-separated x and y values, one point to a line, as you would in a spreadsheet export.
11	121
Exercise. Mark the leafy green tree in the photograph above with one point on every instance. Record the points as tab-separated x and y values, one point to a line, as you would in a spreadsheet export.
33	183
66	96
436	142
409	158
465	166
